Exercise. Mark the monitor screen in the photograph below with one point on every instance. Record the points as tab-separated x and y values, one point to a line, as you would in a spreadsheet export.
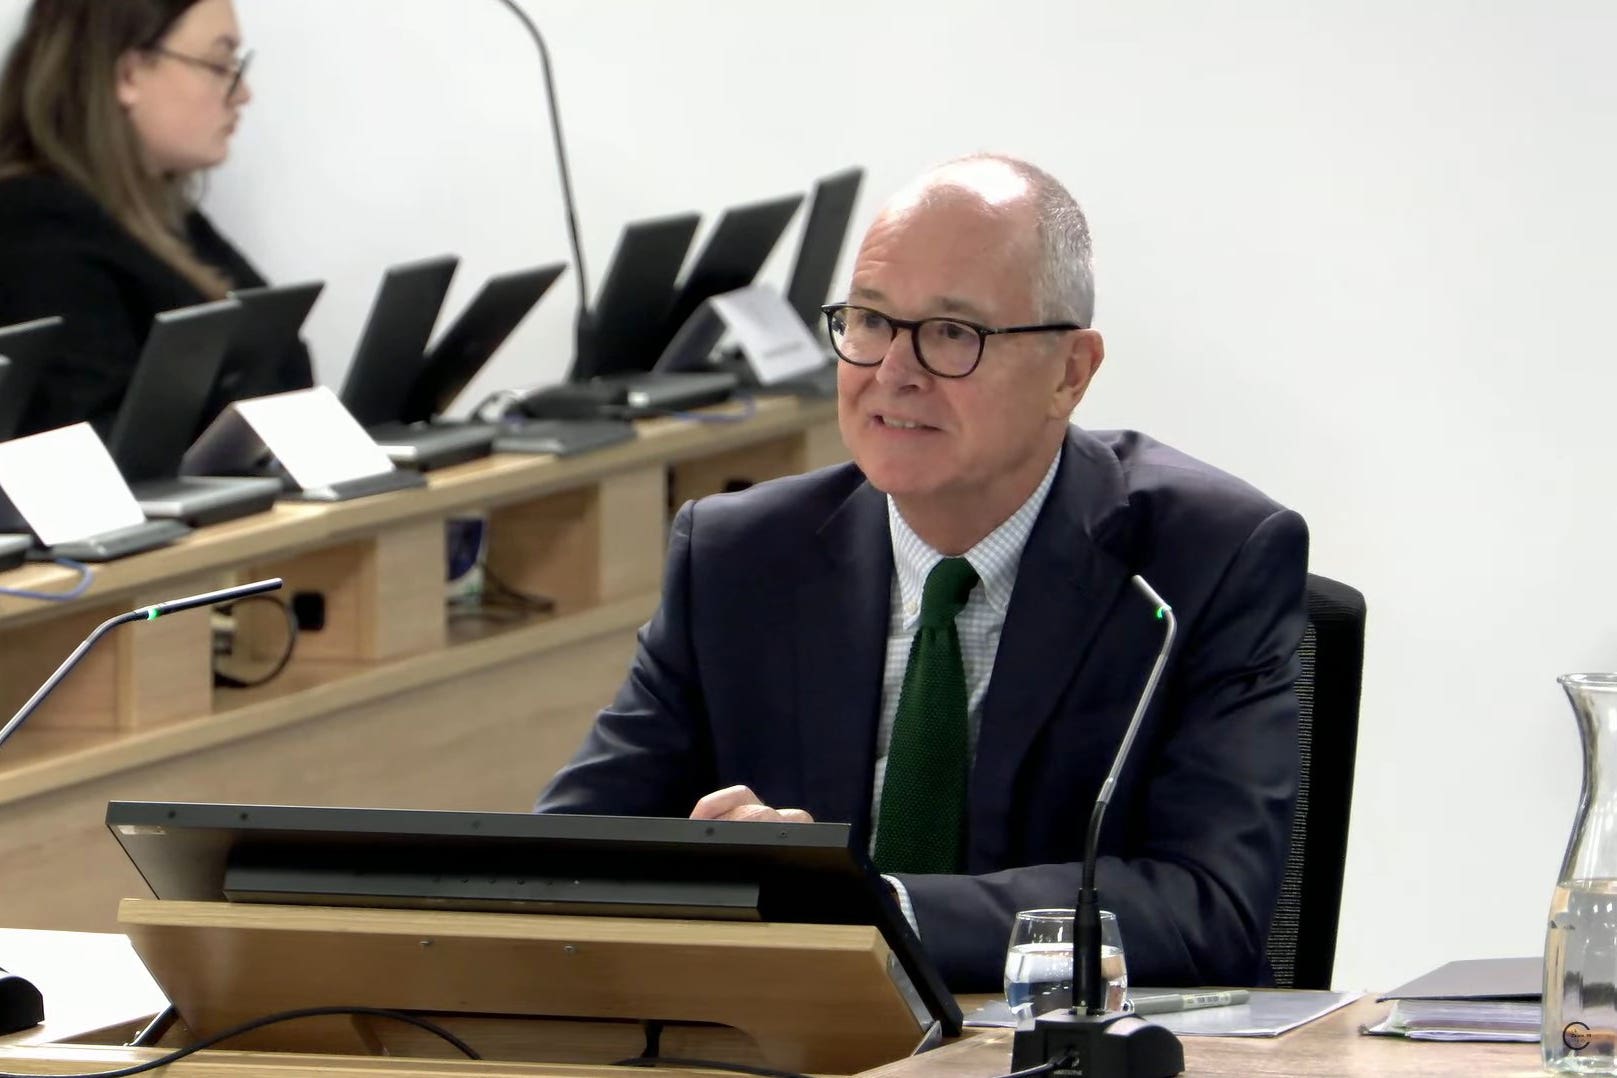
393	346
731	257
27	348
166	403
622	332
520	862
471	340
271	317
824	234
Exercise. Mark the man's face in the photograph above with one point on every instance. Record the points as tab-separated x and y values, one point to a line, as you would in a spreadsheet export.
956	444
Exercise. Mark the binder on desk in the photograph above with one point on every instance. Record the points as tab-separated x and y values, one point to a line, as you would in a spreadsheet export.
1483	999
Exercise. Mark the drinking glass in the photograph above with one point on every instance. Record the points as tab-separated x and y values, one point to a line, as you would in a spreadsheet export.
1038	962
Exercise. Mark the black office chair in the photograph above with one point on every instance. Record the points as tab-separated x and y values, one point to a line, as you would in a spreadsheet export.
1302	939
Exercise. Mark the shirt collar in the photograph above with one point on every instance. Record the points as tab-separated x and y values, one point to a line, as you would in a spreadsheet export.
995	557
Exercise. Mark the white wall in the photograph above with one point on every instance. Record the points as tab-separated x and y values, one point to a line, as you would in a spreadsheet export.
1359	254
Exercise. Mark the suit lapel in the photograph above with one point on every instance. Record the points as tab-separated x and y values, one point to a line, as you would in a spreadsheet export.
1066	583
844	601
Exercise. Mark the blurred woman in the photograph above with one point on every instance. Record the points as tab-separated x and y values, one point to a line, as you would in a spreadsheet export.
109	111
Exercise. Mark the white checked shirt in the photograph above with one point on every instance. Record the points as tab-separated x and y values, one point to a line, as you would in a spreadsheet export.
995	558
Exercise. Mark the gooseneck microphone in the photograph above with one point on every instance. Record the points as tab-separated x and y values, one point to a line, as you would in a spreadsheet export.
21	1005
585	323
145	613
1084	1039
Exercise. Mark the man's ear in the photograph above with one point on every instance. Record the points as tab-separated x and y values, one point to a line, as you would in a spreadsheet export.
1083	351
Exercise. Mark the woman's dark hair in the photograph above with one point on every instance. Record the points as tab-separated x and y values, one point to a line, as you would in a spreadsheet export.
59	113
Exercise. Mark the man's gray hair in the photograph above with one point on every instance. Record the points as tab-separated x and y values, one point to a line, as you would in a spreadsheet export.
1064	281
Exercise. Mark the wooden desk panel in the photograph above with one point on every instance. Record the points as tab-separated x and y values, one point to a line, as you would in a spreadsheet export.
487	741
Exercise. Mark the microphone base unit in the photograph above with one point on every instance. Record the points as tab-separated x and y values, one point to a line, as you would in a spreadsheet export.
1098	1046
21	1005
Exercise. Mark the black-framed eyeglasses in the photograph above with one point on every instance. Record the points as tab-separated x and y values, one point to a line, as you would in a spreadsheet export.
947	347
232	72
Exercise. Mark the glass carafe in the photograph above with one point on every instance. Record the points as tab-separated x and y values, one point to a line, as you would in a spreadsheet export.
1580	946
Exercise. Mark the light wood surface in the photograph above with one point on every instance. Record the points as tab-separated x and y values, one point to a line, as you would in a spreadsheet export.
84	994
1331	1046
223	963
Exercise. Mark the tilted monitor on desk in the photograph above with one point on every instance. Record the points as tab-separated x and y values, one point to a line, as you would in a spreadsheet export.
730	258
521	862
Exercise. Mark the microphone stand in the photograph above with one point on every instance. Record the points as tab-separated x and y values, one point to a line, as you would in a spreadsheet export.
1085	1040
583	328
21	1005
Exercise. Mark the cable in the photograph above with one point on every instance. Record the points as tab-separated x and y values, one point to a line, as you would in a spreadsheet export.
654	1039
259	1023
749	408
80	586
1034	1072
561	154
686	1063
524	600
231	681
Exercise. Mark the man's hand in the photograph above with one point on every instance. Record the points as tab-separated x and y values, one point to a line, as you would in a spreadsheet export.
740	803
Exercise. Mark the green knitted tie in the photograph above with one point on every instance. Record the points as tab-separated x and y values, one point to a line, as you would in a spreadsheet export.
923	797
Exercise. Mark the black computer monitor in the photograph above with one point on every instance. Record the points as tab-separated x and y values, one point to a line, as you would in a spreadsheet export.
824	233
624	331
393	346
163	407
520	862
730	259
492	316
27	348
271	317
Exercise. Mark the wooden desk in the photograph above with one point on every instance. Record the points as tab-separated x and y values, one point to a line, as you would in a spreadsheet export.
1330	1047
392	703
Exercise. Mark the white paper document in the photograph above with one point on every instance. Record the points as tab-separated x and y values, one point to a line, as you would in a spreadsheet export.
66	486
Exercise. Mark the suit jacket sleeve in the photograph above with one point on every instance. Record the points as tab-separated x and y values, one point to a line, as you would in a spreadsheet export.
1196	876
649	753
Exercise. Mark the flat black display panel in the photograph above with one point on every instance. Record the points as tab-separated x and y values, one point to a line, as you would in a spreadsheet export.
393	345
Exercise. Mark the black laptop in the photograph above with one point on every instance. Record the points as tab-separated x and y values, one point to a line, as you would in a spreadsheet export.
24	350
731	257
620	341
824	235
634	299
26	347
393	379
825	232
165	404
271	318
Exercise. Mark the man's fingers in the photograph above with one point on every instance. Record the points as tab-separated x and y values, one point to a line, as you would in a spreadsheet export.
720	803
740	803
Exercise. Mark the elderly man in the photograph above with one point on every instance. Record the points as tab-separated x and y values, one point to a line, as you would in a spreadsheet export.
937	643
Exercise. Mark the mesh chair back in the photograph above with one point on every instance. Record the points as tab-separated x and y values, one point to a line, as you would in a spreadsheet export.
1302	938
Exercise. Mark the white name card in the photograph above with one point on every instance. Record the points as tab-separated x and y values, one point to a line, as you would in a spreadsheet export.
313	436
776	343
65	485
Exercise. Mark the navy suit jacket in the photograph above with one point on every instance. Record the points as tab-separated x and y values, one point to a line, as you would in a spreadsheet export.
763	666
